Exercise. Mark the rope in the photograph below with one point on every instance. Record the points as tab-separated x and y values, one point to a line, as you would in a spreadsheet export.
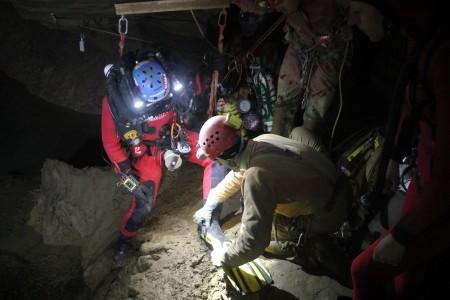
340	94
202	33
112	33
264	36
197	24
238	66
221	22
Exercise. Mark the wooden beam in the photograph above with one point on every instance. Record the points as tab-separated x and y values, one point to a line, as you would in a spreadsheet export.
167	5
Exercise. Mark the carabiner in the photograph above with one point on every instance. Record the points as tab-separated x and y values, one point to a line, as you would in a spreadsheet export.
172	130
222	20
125	22
250	57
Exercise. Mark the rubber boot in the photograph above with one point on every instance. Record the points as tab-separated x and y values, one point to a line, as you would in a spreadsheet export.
121	251
281	249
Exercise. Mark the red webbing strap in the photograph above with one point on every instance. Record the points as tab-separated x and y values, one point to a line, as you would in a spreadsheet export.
221	23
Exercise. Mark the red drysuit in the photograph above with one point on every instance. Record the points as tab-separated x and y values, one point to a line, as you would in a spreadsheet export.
149	167
424	228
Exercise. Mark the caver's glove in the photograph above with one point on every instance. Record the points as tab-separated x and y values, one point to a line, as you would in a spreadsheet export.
125	168
204	214
218	255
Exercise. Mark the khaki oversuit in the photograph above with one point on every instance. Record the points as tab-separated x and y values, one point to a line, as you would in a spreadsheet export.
277	175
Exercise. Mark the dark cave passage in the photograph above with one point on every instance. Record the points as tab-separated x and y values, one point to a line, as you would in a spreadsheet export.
35	129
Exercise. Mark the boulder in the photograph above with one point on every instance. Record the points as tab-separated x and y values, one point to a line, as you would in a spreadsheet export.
80	207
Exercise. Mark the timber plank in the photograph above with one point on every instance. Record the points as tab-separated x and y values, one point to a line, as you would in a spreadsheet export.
167	5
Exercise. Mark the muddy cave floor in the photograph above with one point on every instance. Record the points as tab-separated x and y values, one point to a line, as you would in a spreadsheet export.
173	263
169	260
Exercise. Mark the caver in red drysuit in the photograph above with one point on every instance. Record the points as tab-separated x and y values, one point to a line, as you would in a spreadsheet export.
424	227
149	167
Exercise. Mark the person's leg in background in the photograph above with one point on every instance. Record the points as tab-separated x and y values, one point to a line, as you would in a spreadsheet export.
320	97
288	93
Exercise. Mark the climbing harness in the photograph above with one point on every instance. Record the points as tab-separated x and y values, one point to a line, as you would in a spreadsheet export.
178	138
239	64
123	30
248	67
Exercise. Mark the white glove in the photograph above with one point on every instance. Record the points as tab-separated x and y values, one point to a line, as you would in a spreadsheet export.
218	256
204	214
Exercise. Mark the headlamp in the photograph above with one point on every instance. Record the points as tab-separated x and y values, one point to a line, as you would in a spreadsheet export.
177	86
138	103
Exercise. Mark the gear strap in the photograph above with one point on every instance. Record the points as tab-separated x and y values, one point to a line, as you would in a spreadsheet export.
221	23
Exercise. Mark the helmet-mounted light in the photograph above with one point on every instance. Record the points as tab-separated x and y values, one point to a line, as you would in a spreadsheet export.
177	85
138	103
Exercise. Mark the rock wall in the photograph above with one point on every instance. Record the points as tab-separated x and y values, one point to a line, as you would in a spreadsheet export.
82	208
67	12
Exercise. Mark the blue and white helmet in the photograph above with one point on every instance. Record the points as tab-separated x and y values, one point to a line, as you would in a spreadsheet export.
152	81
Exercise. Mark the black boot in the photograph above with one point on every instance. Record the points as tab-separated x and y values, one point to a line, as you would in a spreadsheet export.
121	251
321	255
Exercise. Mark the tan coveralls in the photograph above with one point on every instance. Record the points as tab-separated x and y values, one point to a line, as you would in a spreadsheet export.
301	182
317	33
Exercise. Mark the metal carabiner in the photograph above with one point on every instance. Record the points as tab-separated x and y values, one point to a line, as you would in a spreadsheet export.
222	20
125	22
175	127
250	57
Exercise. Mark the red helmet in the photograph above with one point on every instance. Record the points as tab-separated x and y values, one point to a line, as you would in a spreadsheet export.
216	136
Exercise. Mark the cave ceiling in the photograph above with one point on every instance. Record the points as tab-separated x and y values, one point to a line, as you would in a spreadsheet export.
74	15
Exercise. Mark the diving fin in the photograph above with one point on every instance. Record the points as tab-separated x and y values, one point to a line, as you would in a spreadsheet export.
248	278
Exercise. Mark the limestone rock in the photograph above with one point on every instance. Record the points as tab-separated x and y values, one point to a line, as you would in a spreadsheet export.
79	207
